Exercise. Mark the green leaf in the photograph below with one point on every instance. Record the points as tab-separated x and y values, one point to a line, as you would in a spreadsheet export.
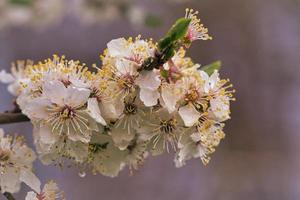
179	29
177	32
164	43
168	45
168	54
210	68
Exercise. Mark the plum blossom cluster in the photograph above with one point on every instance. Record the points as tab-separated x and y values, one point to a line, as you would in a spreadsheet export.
119	113
16	167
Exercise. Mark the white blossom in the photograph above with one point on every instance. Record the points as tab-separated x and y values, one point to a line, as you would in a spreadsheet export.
16	160
64	109
106	158
135	51
190	147
163	129
130	120
16	78
196	30
116	115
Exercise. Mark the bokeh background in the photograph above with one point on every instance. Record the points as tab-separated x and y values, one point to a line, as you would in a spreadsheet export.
258	42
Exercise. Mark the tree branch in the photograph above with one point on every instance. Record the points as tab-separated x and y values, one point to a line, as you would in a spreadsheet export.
7	118
8	196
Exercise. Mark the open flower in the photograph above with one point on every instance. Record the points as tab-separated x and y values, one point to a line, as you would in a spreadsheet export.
54	149
135	51
190	147
63	108
136	153
49	192
218	95
196	30
104	156
124	78
220	108
16	78
199	142
124	129
193	100
69	72
101	104
163	130
16	164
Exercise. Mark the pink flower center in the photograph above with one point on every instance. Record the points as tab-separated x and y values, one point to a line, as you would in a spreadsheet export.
67	112
66	82
135	58
41	196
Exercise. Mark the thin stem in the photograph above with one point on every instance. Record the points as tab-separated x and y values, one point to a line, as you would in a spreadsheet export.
8	196
7	118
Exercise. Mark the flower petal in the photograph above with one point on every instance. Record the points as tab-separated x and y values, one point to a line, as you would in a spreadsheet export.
170	98
118	47
213	79
31	180
220	108
184	154
149	97
189	115
46	135
111	161
121	137
112	109
76	135
76	96
14	88
10	181
78	150
205	79
6	77
31	196
196	137
55	91
125	67
36	108
149	80
94	111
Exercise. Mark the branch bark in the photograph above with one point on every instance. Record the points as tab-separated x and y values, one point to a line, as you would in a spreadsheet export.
8	196
7	118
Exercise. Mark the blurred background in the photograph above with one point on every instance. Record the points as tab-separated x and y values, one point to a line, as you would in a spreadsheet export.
258	43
